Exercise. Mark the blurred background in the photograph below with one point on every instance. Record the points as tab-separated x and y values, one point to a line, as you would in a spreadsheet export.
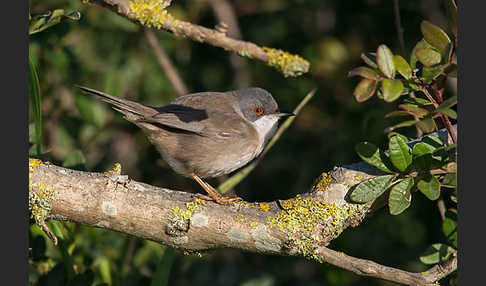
104	51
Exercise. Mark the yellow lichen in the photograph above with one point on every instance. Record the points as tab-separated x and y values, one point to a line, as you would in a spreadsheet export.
40	198
34	163
152	13
117	168
180	214
240	218
253	224
358	178
288	64
264	207
324	181
40	195
301	216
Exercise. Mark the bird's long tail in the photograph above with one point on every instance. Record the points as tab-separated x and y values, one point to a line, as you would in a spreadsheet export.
127	107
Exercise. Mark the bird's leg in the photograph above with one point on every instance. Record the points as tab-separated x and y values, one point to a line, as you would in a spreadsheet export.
214	195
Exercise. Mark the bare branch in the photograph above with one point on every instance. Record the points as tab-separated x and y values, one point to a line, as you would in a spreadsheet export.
369	268
165	63
398	26
152	13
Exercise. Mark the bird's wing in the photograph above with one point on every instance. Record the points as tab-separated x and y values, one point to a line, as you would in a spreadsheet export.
190	113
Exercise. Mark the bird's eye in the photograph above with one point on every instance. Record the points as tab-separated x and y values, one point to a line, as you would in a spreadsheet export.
258	110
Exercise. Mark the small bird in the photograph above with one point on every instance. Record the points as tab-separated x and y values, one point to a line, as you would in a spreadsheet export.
206	134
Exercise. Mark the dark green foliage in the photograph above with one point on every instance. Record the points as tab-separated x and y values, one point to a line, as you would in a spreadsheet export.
371	189
400	196
371	154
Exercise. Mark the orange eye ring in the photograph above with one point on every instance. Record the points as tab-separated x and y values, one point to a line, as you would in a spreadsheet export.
258	110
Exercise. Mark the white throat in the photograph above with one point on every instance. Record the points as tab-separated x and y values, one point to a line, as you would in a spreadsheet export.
266	127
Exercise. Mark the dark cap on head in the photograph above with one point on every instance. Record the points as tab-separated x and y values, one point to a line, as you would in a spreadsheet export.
250	100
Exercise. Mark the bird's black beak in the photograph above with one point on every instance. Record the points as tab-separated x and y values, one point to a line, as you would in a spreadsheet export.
283	114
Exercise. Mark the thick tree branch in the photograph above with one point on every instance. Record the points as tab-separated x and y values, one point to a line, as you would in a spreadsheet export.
301	226
152	13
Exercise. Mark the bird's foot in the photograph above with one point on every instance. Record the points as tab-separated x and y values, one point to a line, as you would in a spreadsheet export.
222	200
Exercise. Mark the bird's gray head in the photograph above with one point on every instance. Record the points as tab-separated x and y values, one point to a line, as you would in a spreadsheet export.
259	107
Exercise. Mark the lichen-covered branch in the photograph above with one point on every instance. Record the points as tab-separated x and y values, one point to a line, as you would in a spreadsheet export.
153	13
301	226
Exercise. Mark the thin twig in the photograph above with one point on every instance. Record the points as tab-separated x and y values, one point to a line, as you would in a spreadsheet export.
444	118
398	25
165	63
227	18
238	177
48	232
369	268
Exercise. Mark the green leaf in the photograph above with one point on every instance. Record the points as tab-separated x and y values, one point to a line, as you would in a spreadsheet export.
422	156
400	154
436	253
452	12
369	59
161	276
384	59
449	226
427	125
49	19
397	113
450	102
364	72
374	156
35	102
75	160
421	149
448	112
391	89
449	180
418	111
422	44
435	36
429	74
365	89
433	141
371	189
428	57
430	187
407	123
402	66
417	101
400	196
